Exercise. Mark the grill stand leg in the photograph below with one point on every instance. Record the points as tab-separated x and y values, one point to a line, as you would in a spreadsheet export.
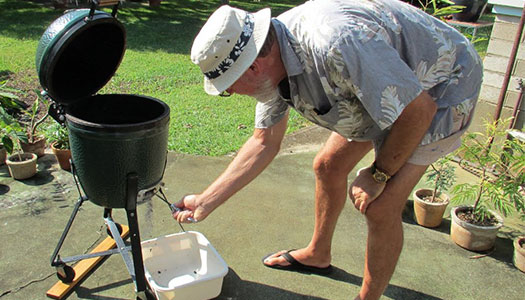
143	293
55	258
121	246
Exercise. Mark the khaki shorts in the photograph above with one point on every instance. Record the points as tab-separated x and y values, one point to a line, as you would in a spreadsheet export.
427	154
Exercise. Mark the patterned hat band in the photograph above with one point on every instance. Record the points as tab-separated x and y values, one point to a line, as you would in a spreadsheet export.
241	43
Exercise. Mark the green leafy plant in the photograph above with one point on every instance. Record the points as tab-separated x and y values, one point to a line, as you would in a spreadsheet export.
33	117
440	8
11	131
8	98
441	176
58	134
500	165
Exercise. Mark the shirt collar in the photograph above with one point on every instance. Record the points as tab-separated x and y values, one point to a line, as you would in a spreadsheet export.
291	62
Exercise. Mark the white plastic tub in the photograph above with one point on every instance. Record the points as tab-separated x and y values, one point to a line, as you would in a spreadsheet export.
183	266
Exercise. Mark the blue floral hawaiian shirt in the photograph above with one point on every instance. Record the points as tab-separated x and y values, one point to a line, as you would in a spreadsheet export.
354	65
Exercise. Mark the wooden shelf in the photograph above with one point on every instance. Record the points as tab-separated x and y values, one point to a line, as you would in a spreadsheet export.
60	289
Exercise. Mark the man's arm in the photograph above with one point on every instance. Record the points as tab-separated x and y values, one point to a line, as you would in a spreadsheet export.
406	133
253	157
404	137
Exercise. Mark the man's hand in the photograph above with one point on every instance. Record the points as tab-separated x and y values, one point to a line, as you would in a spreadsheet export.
365	189
191	209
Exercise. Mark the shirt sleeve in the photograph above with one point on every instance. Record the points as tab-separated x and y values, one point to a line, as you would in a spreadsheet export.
365	63
270	113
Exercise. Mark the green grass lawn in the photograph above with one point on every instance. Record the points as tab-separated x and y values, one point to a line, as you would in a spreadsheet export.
156	64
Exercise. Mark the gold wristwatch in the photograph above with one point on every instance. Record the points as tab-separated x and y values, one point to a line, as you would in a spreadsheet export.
378	175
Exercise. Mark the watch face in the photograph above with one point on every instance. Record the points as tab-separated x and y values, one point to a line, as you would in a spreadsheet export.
380	177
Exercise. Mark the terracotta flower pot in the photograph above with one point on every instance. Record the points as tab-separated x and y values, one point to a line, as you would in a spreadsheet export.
429	214
63	156
22	169
470	236
38	147
519	253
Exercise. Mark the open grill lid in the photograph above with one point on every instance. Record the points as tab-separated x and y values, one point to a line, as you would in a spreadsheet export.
79	53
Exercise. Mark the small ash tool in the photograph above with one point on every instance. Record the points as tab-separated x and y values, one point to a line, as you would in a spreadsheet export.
172	207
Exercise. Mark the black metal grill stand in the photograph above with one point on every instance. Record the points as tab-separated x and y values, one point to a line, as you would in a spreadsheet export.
134	264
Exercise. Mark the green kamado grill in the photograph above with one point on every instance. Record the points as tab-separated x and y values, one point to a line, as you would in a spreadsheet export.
118	141
110	135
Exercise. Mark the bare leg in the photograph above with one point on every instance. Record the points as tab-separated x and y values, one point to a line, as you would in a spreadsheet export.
385	231
331	165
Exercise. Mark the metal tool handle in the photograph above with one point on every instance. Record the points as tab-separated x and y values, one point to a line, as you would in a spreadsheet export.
172	206
176	209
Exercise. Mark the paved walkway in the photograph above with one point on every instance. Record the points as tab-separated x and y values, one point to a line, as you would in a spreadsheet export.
274	212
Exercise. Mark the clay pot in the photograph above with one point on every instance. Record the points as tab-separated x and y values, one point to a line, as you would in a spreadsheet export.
429	214
22	169
38	147
63	156
519	253
470	236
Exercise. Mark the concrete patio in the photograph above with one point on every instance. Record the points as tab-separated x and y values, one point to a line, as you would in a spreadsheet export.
274	212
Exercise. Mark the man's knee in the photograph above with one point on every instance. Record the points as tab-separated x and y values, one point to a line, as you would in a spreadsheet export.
382	215
326	167
388	208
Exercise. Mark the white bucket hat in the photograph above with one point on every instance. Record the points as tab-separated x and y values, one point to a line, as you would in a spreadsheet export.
228	44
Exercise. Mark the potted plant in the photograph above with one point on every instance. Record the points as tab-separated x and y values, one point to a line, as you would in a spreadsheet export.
9	105
519	242
499	161
20	165
430	204
58	135
32	119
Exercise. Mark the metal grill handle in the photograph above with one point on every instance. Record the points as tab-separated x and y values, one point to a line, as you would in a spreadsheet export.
97	3
105	2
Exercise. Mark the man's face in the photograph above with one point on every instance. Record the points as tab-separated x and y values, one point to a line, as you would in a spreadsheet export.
260	87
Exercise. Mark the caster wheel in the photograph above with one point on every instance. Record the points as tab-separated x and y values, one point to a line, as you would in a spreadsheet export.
119	227
69	274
